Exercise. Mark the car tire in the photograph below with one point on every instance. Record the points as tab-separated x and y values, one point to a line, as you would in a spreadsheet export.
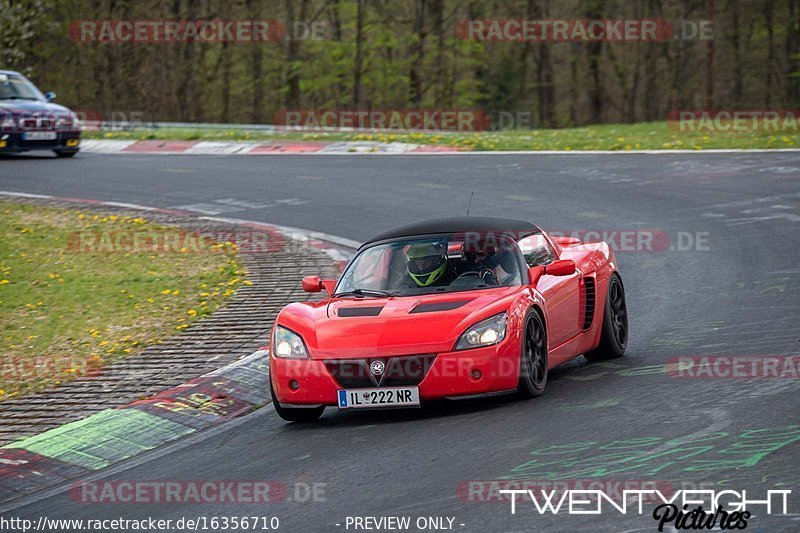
533	357
614	335
65	153
296	414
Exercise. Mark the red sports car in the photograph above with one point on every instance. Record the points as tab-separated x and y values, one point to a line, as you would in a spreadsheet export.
449	308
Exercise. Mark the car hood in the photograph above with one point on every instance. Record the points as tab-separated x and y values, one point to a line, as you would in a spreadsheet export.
346	328
29	107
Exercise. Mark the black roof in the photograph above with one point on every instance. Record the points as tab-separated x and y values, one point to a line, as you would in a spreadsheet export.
517	228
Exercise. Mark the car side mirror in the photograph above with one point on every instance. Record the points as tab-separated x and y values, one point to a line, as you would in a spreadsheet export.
312	284
49	96
561	267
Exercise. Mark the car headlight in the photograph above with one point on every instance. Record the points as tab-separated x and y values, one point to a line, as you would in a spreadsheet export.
8	123
484	333
66	122
287	344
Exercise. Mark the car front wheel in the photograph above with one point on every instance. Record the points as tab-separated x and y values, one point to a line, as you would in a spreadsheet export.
533	357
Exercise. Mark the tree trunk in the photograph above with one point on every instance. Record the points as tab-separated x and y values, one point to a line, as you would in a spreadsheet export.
793	55
737	53
293	55
710	62
418	54
594	49
357	67
256	68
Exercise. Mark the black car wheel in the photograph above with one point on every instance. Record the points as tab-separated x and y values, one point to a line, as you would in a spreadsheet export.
296	414
614	336
533	358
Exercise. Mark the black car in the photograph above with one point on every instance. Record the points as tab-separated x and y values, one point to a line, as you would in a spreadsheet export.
29	120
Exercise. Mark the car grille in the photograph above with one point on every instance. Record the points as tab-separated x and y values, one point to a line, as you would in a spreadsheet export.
403	371
37	123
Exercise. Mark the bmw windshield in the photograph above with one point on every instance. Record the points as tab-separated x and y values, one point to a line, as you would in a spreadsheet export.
427	265
13	87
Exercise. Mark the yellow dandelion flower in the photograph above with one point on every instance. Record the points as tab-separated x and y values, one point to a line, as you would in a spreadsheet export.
191	312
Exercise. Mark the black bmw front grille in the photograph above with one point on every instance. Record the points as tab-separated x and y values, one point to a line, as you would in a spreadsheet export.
405	371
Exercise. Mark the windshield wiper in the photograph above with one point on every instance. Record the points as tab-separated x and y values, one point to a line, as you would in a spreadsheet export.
19	98
366	292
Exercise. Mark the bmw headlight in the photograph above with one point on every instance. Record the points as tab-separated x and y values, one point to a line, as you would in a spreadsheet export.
287	344
484	333
67	122
7	122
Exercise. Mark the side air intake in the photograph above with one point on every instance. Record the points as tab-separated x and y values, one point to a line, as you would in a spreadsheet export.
589	301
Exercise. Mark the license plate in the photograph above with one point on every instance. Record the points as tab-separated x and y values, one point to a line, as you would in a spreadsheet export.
382	397
39	136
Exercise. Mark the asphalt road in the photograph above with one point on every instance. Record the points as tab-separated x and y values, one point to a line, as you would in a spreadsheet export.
734	291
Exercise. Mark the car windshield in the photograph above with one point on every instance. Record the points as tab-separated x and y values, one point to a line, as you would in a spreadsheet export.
13	87
428	265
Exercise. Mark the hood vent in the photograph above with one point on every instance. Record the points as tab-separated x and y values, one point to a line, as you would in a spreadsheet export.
438	306
345	312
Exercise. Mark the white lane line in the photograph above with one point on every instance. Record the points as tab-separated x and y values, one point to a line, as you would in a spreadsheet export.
300	234
25	194
131	206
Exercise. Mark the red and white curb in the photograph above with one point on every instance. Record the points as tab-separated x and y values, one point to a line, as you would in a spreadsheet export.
97	442
254	148
165	147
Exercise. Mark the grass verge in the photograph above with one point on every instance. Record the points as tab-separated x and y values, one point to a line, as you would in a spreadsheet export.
622	137
66	311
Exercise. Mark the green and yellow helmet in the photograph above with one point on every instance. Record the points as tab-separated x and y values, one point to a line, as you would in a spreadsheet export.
426	262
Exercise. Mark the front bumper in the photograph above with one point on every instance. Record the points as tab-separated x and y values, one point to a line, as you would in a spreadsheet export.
467	373
64	141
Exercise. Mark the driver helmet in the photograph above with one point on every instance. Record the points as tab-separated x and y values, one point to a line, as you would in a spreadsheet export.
426	262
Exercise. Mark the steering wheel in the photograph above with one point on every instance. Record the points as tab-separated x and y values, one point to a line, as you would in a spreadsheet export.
478	274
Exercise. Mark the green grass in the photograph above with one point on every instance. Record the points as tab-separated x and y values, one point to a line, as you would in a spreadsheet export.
641	136
66	311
